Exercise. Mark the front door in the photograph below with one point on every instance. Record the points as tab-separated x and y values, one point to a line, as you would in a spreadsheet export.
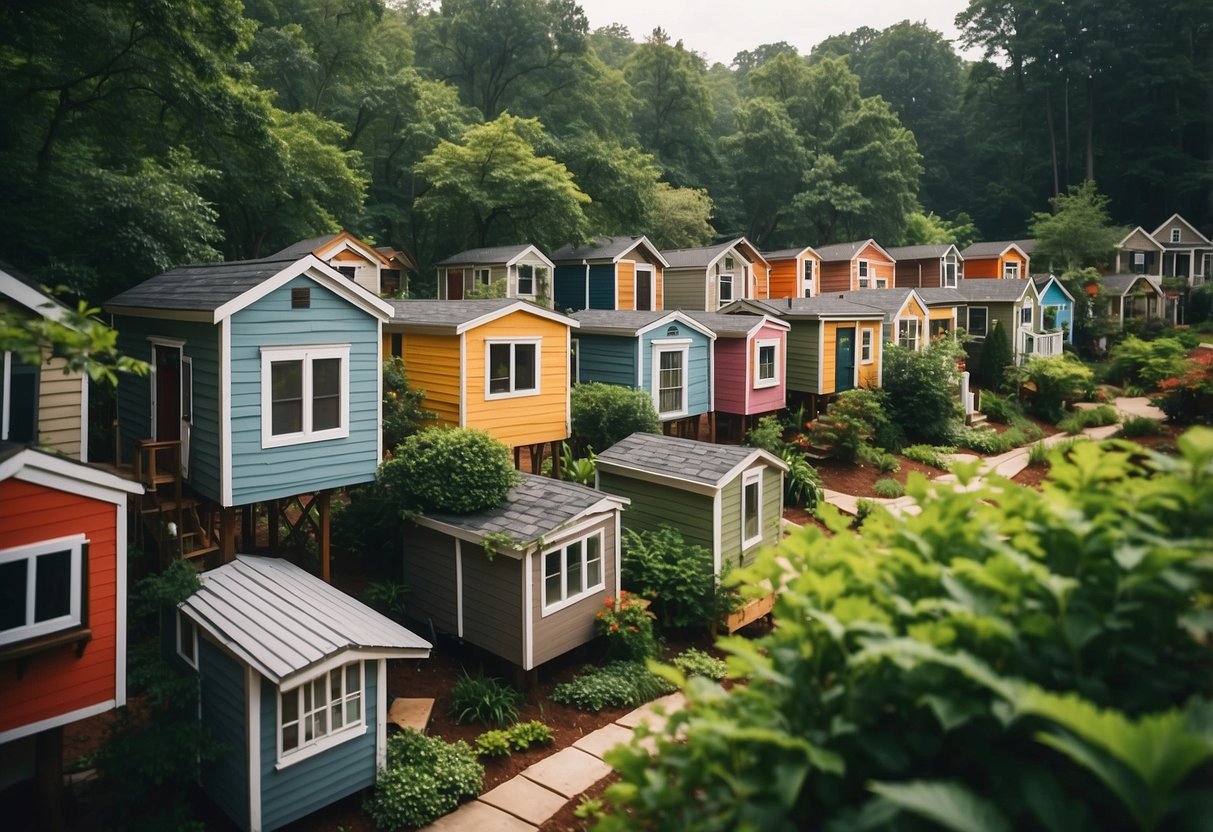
454	284
644	290
844	359
168	393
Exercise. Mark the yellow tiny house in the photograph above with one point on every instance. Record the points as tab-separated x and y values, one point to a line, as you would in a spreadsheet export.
500	365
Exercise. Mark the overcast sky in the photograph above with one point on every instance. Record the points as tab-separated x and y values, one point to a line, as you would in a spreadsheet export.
720	29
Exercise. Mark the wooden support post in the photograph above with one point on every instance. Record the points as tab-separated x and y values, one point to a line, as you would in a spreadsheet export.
227	534
275	516
48	779
248	527
711	426
325	535
517	457
555	460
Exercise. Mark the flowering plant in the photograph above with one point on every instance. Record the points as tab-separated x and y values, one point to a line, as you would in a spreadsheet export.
627	625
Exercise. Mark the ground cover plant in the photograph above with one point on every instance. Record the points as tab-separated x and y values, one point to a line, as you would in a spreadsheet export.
1136	426
425	778
695	662
619	684
888	488
518	737
933	455
484	700
1006	659
1095	417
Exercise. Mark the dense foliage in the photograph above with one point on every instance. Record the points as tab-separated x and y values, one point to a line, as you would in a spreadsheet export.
801	484
1146	363
483	700
456	470
616	684
1006	659
425	778
994	357
854	420
676	576
605	413
626	627
403	414
922	390
1059	380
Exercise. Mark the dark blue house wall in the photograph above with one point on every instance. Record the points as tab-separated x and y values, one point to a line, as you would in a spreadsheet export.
225	780
570	286
607	358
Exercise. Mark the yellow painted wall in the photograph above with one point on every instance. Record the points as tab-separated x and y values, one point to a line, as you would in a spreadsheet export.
942	313
869	374
658	277
627	285
432	364
828	355
1012	256
521	420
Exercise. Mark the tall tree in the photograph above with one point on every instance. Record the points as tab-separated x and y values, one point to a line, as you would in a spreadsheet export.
766	159
680	217
1078	232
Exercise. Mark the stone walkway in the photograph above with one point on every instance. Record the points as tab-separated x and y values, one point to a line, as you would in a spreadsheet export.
525	802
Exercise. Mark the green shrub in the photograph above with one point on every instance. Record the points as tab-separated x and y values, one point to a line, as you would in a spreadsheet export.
627	626
1038	454
1079	420
768	435
616	685
1059	380
583	471
1013	438
605	413
675	575
801	484
854	419
403	414
983	441
997	409
389	597
996	358
922	391
424	779
525	734
1187	398
930	455
694	662
369	524
483	700
455	470
1140	426
888	488
1146	363
495	743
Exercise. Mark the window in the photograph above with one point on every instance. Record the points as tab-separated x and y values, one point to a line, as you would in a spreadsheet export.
512	368
326	707
304	394
1025	315
726	287
978	321
348	271
766	363
398	344
907	334
863	274
474	280
526	279
865	346
389	281
751	508
301	298
187	639
572	572
1010	270
808	278
669	380
1175	235
949	275
882	283
41	588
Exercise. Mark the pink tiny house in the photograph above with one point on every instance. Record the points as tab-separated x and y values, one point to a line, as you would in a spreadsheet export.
750	375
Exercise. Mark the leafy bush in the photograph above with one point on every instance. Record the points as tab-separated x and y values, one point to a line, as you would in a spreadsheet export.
888	488
525	734
768	435
424	779
615	685
1140	426
883	462
983	441
1059	379
495	743
1146	363
582	471
605	413
403	414
854	419
1005	659
1200	305
922	390
676	576
694	662
801	484
369	524
1079	420
1188	398
996	357
930	455
483	700
456	470
997	409
627	626
388	597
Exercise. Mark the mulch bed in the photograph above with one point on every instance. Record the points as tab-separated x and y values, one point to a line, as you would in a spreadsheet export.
857	478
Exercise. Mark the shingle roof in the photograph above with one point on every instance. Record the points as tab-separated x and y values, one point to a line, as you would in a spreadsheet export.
534	508
480	256
1028	246
993	291
730	325
931	252
1120	284
994	248
453	313
282	620
888	301
940	296
830	305
784	253
600	248
296	250
689	258
687	459
203	287
841	251
617	320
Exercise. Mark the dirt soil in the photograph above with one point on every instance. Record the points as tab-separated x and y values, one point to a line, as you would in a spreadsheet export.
857	478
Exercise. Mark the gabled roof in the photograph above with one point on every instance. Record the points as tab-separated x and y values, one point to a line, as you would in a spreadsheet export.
24	290
213	291
1190	226
56	471
703	466
503	255
327	245
789	253
457	316
940	296
401	257
606	248
993	291
1027	246
1042	281
848	251
630	323
704	256
736	326
928	252
534	509
1144	233
888	301
283	621
1122	284
832	305
995	248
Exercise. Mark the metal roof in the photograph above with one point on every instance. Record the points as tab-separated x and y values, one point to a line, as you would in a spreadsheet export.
282	620
533	509
703	463
493	254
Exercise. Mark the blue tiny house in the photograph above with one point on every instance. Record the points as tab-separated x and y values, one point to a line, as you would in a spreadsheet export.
1056	306
293	681
625	273
265	385
668	354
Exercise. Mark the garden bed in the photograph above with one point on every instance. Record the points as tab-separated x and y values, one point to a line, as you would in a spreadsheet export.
857	478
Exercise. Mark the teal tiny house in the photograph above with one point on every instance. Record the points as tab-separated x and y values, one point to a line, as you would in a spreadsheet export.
293	681
1056	306
610	273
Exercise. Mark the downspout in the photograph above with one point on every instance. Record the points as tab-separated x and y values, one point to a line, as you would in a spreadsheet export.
586	263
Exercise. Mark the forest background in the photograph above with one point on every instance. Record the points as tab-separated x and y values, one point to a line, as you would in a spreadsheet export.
142	134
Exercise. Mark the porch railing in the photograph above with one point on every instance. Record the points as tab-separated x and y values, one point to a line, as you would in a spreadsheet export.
1042	343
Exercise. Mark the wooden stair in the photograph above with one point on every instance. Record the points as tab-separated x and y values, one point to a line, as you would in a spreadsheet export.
166	514
976	420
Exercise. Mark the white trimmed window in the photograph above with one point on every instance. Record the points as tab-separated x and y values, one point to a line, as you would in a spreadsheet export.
1010	270
808	277
1175	235
865	346
864	283
529	276
512	368
949	275
348	272
882	283
187	639
475	279
766	363
726	278
41	588
978	321
670	378
751	508
320	713
907	334
573	571
305	394
1025	315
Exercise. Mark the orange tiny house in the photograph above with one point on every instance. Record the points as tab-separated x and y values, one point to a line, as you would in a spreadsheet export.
862	264
794	272
1005	259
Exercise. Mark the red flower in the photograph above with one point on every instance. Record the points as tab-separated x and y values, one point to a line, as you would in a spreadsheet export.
610	602
614	627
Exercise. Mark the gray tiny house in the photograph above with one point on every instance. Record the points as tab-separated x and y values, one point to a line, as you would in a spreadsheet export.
293	681
725	498
523	580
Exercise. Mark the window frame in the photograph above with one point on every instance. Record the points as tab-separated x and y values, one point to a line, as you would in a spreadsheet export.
330	739
904	340
184	622
187	388
985	310
348	272
808	277
476	274
866	339
751	478
76	616
587	589
1031	315
1010	270
725	278
518	279
513	392
863	274
308	354
761	344
680	345
1175	235
951	273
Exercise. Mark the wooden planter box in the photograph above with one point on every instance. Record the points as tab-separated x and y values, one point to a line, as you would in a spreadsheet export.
751	612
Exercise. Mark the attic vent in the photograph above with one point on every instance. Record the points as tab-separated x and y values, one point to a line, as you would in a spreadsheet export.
301	298
671	331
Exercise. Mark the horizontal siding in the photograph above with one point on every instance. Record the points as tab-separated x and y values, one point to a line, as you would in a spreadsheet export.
731	376
985	267
607	358
829	354
835	276
766	399
627	284
221	681
771	517
492	602
432	365
572	626
784	278
60	408
803	360
134	392
699	381
429	571
602	286
879	266
569	287
653	504
686	289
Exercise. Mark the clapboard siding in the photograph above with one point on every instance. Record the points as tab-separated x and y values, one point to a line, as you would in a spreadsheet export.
492	602
565	629
602	287
607	358
223	697
627	284
686	289
654	505
60	408
732	552
803	350
732	378
429	571
699	388
432	363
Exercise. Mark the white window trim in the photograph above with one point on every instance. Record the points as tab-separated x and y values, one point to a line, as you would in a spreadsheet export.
345	734
747	479
946	282
682	345
1139	258
1027	307
882	283
759	345
534	267
181	620
306	354
1175	234
907	321
808	276
488	372
30	552
1010	270
548	609
865	346
969	321
652	273
720	284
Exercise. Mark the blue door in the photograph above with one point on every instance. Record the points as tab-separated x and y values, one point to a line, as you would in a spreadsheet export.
844	359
